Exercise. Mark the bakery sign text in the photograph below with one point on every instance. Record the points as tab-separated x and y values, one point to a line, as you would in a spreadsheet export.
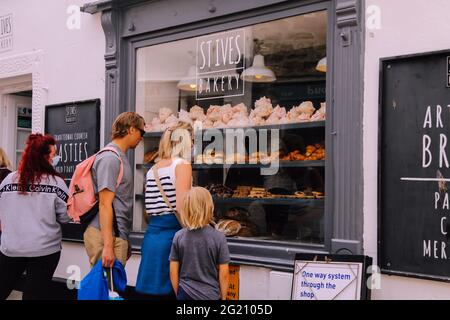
220	60
6	32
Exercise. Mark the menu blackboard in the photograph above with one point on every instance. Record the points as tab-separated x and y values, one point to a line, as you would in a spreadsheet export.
414	166
76	128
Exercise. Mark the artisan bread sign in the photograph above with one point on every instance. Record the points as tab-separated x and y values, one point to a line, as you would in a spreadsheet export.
414	209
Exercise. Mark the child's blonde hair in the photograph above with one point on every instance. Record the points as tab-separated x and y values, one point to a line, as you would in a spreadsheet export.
176	141
4	161
197	209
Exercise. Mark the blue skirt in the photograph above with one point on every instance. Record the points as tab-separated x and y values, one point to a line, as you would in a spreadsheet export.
153	276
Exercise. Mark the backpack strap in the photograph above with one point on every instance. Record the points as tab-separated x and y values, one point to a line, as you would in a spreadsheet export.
119	179
120	176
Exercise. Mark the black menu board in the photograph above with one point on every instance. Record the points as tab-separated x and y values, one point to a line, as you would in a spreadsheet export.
76	129
414	166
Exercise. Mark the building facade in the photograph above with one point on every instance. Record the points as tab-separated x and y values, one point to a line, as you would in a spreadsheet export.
137	55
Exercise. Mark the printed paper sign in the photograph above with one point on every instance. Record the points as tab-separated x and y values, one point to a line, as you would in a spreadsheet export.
327	281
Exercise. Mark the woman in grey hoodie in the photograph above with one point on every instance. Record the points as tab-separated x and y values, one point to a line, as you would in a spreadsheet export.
32	204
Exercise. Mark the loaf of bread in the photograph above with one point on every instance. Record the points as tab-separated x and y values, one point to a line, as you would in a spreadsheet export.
228	227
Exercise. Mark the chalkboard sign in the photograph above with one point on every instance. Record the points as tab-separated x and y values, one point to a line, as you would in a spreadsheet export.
76	129
414	167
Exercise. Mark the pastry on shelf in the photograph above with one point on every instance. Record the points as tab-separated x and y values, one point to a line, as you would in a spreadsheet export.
318	195
219	190
308	194
240	109
301	113
213	113
300	194
319	114
259	193
242	191
248	228
312	153
165	119
237	116
227	113
262	111
278	116
197	113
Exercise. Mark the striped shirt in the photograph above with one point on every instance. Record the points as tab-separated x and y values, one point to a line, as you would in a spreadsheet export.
154	201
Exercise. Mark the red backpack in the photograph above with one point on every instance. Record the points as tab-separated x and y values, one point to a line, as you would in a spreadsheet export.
82	205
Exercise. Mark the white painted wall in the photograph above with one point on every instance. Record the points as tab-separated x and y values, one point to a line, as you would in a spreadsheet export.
256	283
407	26
71	64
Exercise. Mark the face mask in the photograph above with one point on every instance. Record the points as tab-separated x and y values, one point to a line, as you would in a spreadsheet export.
56	160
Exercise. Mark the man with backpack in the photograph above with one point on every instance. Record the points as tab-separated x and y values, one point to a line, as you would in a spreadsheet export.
106	236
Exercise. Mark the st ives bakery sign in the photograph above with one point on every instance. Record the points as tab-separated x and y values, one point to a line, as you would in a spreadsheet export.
6	32
220	61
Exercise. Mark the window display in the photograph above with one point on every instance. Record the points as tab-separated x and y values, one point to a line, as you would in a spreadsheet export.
256	98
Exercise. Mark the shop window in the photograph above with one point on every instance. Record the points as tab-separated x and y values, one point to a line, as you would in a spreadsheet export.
268	80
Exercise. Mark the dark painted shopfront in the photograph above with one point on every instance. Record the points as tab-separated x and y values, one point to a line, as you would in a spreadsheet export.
281	64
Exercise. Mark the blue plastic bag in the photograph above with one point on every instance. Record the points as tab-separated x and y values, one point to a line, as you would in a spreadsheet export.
94	285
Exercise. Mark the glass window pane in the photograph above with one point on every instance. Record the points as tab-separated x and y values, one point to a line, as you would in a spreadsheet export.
22	136
268	79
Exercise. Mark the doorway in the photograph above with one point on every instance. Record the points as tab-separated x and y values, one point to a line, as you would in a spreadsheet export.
17	112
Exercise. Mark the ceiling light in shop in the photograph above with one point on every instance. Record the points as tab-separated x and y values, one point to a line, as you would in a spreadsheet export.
189	83
258	72
322	65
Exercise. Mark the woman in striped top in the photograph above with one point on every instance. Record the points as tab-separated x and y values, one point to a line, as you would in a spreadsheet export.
175	174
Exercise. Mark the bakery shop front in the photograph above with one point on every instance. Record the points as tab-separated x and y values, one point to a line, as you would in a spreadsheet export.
274	91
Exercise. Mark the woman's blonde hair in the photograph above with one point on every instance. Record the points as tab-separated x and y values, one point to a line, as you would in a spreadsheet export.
4	161
197	209
176	141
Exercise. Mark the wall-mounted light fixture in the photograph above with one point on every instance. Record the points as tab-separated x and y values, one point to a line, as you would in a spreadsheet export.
322	65
189	83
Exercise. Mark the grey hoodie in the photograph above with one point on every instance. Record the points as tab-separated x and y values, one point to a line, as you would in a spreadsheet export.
30	222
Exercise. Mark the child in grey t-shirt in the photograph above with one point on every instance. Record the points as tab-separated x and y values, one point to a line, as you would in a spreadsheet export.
199	256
